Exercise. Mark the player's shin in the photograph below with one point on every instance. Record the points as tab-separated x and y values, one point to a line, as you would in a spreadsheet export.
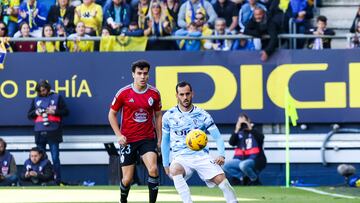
124	192
228	191
182	188
153	184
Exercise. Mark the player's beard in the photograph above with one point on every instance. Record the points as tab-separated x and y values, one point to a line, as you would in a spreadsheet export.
187	103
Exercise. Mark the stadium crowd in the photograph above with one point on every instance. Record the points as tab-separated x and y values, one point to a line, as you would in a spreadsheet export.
75	19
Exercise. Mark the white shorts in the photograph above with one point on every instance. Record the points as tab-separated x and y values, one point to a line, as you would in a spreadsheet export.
204	165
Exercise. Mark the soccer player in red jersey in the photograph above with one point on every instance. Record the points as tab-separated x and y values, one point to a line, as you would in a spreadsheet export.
139	133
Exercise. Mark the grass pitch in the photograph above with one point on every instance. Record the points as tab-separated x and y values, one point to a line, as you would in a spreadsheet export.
110	194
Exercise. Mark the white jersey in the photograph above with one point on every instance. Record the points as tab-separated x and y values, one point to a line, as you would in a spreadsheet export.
178	124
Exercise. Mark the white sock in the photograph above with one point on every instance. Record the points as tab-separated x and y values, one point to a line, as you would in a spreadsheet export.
182	188
228	191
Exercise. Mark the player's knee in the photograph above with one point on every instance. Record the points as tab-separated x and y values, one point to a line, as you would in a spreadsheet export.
176	169
153	171
218	179
126	181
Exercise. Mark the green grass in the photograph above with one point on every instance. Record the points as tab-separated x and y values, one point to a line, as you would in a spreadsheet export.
139	194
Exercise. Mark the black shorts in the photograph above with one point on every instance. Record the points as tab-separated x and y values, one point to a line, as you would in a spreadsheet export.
131	153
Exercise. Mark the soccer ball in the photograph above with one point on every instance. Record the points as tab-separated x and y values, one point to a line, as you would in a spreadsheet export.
196	139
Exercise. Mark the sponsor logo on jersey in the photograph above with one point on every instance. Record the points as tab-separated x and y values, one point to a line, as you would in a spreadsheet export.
131	100
141	116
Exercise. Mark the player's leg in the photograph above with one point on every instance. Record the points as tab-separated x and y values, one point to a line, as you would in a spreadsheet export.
125	183
178	173
147	150
128	157
228	191
213	175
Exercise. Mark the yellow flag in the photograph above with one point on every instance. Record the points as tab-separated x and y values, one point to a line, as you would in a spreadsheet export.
123	43
290	108
283	5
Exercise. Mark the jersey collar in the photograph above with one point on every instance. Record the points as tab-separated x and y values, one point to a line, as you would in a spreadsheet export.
137	91
193	107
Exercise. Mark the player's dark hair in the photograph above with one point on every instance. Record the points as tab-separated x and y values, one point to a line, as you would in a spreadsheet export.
3	141
140	64
44	84
183	84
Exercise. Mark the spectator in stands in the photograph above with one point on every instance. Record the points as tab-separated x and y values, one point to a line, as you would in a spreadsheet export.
249	158
243	44
157	24
117	16
190	8
44	46
34	14
60	32
142	11
62	13
3	29
355	42
300	12
47	5
37	170
9	15
105	31
228	10
355	22
246	13
171	8
47	110
219	44
260	25
321	29
80	46
8	168
134	30
25	46
189	45
200	22
91	15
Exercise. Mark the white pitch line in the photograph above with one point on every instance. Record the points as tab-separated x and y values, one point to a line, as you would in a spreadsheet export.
325	193
92	196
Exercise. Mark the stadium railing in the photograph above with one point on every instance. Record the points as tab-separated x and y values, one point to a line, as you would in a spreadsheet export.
281	37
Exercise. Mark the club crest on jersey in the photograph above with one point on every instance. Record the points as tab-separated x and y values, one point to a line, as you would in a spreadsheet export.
151	101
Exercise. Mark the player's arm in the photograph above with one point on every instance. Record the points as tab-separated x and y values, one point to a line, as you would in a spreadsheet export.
165	151
115	126
158	126
215	133
165	145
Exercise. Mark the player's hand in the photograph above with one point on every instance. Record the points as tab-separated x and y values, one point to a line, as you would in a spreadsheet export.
220	160
122	140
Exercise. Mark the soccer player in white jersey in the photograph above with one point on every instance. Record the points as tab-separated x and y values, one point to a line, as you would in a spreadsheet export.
176	123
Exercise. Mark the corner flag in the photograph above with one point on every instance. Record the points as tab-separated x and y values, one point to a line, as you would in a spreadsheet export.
290	112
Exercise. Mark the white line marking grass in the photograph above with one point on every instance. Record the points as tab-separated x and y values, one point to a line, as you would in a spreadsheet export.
76	195
325	193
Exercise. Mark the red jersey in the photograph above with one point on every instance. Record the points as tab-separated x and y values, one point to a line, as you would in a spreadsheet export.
137	112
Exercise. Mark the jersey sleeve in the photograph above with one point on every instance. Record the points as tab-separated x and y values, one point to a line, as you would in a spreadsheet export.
208	120
117	102
158	105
